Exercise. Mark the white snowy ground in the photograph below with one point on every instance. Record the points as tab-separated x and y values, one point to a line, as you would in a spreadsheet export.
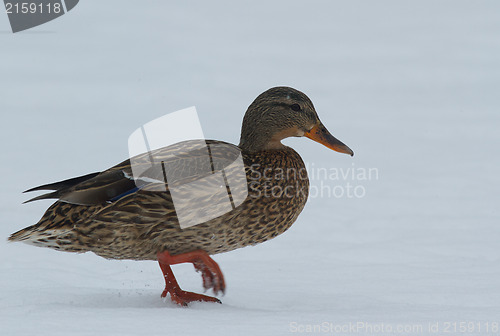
412	87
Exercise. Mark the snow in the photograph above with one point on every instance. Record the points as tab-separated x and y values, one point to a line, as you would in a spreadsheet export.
411	87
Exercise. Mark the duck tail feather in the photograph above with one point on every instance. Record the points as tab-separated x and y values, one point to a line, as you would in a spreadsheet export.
52	195
61	185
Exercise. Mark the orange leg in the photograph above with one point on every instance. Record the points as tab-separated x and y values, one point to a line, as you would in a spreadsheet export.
210	272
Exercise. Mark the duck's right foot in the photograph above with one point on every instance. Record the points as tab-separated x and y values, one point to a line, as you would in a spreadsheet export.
183	297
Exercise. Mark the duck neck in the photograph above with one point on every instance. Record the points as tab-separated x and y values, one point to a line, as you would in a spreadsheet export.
255	144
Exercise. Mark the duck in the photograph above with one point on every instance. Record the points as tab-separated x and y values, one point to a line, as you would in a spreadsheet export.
117	215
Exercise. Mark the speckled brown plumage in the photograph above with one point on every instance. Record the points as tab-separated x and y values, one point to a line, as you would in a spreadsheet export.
140	225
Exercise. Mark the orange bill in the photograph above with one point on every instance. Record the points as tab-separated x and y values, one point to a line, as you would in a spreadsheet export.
320	134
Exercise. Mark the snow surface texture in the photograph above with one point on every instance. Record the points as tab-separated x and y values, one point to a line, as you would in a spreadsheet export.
412	87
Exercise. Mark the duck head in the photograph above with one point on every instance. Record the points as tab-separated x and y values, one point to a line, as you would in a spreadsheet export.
283	112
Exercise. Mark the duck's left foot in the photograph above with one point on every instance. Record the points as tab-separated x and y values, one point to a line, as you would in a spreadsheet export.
210	272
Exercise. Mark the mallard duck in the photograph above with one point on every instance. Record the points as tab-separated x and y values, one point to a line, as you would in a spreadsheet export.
119	217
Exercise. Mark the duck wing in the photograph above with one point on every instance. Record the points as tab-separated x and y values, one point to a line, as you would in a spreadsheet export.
177	164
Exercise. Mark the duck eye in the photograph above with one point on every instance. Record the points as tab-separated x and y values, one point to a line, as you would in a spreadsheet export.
295	107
